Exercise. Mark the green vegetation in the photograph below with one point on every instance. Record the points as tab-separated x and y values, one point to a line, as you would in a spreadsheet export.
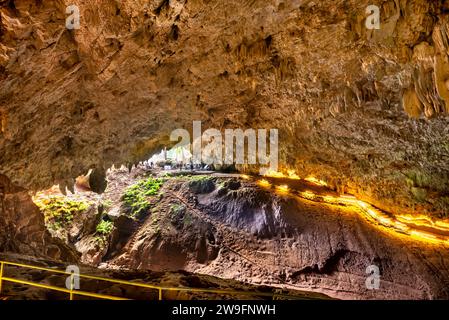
180	216
100	241
188	220
418	179
136	196
59	211
177	209
201	184
103	230
107	204
105	227
442	205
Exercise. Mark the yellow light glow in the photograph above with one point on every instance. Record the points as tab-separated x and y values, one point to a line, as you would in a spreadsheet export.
308	195
442	224
274	174
284	188
330	199
401	226
292	175
423	221
264	183
362	204
423	235
385	221
316	181
244	176
405	225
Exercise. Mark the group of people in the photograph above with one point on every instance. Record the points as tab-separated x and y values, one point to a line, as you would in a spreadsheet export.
177	166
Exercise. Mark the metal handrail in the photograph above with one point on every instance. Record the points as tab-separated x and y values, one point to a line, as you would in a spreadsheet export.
73	292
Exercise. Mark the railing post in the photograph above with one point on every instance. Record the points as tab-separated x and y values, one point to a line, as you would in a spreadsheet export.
1	275
160	294
72	279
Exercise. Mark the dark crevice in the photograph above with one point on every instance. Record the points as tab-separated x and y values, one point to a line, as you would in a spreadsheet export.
329	267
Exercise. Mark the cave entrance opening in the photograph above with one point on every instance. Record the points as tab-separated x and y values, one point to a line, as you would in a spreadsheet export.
179	159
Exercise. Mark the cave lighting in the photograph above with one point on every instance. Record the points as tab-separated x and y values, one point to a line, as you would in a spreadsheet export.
264	183
292	175
423	221
403	224
407	225
283	188
316	181
274	174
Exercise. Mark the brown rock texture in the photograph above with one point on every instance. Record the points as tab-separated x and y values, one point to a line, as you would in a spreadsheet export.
236	230
363	109
238	290
22	228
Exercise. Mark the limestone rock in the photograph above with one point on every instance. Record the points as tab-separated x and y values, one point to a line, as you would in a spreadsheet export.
112	91
22	228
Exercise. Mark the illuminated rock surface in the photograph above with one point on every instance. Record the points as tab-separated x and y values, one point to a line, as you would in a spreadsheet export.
113	91
363	110
239	231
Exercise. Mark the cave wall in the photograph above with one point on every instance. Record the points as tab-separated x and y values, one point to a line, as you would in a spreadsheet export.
362	109
22	228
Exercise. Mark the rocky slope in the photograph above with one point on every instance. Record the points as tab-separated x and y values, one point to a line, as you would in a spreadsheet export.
232	228
363	109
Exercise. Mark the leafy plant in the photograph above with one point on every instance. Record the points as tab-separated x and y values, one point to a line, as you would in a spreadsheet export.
188	220
180	216
105	227
177	209
136	196
201	184
107	204
59	211
100	241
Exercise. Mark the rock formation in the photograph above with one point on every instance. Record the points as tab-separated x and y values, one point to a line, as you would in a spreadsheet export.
22	228
364	109
236	230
